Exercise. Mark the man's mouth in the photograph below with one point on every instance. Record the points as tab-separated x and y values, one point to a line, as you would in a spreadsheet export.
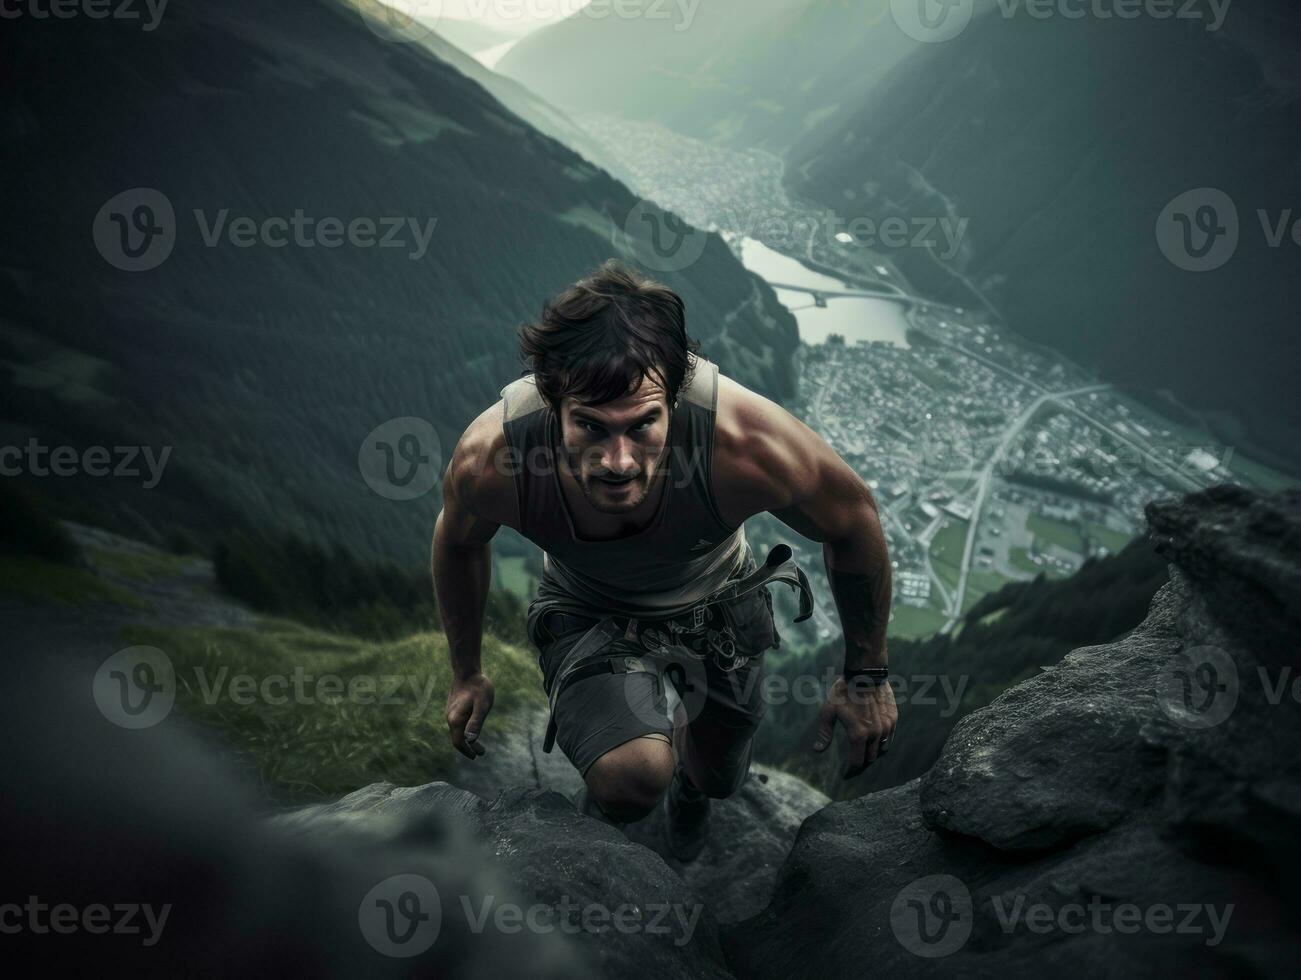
615	482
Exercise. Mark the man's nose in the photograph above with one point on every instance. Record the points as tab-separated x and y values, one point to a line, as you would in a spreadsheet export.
619	459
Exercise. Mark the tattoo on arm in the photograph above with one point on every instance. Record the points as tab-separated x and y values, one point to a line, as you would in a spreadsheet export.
863	602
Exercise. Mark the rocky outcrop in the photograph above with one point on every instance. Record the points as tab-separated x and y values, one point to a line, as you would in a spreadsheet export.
626	912
750	832
1132	809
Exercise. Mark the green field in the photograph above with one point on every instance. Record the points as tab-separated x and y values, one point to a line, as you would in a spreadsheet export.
1020	558
37	580
1113	541
366	728
915	622
1058	532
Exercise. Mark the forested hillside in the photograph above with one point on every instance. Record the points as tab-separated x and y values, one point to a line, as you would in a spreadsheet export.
263	363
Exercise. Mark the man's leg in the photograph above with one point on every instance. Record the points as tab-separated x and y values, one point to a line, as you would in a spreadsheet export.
614	728
626	783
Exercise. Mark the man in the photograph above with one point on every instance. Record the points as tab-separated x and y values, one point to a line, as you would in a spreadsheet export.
633	463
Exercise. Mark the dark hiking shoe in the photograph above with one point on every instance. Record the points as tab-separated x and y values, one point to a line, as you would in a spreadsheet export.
686	823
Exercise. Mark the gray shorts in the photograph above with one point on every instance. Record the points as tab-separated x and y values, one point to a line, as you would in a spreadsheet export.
598	713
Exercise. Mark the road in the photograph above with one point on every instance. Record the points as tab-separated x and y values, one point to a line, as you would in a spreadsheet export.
982	489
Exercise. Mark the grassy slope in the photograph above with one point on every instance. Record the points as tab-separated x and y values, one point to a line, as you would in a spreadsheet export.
321	714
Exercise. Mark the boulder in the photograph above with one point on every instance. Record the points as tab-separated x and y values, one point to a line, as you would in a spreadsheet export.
1131	810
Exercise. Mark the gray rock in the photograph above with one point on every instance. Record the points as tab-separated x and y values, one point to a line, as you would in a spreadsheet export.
1153	777
750	834
624	911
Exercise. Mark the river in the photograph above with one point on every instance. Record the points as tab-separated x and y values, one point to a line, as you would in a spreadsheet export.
853	317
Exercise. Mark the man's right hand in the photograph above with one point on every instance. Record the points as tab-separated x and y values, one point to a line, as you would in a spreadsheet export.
468	704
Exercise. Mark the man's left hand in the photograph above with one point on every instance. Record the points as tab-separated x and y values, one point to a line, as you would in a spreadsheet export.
867	713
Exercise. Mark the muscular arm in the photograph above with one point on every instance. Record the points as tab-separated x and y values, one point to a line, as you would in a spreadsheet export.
766	459
461	557
476	499
774	462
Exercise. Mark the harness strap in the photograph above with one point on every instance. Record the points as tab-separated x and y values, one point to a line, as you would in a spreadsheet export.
589	656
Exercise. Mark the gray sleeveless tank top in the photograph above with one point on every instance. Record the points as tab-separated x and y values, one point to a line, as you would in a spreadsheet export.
686	552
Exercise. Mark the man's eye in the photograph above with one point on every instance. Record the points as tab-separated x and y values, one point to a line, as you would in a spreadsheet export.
590	426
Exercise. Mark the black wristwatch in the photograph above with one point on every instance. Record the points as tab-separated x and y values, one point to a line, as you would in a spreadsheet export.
877	675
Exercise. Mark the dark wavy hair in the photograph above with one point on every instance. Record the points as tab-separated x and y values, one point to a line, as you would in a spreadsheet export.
599	338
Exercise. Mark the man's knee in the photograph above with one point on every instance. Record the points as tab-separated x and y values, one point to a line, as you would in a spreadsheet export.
629	780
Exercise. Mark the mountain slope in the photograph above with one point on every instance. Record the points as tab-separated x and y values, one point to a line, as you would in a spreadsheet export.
263	364
1061	142
738	72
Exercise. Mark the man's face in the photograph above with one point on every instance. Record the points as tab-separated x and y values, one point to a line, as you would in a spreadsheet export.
616	449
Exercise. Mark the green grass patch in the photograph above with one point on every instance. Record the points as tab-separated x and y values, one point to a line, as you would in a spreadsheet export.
981	580
915	622
1058	532
949	542
37	580
1114	541
1020	558
947	573
140	566
320	713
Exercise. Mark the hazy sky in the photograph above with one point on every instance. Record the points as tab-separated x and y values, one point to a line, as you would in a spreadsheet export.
497	13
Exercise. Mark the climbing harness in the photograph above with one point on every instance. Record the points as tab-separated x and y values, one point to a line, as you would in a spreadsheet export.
706	629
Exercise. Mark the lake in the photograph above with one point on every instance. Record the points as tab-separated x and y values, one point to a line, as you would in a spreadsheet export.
853	317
